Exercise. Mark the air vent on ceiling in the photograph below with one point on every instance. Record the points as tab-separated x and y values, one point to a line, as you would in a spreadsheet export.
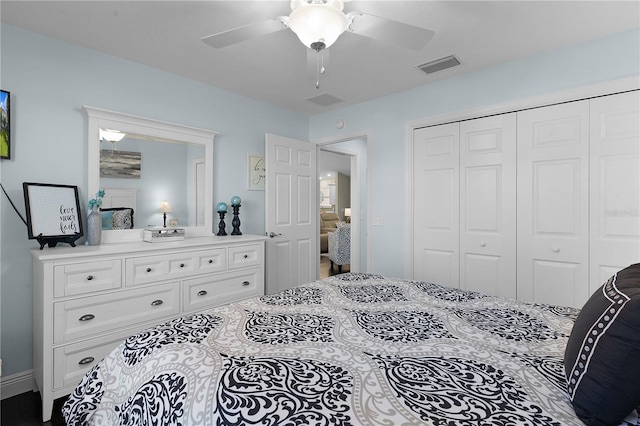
324	100
439	64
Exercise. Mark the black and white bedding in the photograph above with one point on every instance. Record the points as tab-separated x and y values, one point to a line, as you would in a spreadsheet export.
353	349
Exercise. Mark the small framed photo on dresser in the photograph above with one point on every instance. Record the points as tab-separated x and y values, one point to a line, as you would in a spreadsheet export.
53	213
5	125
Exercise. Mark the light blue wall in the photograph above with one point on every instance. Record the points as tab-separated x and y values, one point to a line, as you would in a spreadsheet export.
610	58
49	82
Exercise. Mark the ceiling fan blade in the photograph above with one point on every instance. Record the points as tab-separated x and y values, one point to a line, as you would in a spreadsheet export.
394	32
246	32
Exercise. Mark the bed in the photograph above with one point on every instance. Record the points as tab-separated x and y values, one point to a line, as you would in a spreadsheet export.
352	349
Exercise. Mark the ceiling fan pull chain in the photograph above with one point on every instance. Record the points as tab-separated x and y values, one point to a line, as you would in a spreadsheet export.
318	71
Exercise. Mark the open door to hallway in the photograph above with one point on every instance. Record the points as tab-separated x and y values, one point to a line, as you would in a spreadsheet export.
290	198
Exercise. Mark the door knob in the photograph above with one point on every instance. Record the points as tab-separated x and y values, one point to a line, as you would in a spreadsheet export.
273	235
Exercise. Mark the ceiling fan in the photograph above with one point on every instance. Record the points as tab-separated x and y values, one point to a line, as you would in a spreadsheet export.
319	23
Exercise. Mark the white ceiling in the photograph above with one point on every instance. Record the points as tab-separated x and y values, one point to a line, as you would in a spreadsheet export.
273	68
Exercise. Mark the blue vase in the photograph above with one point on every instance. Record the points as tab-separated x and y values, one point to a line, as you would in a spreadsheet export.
94	227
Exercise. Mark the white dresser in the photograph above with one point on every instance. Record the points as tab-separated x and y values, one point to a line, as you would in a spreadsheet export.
88	299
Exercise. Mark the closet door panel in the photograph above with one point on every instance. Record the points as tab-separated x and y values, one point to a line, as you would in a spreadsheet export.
615	185
487	205
436	205
556	201
546	277
438	266
552	206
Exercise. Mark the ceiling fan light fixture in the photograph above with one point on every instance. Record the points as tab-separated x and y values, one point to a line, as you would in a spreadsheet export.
317	23
112	136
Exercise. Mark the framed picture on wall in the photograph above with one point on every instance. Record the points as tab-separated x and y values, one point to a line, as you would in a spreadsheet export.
257	172
53	213
5	125
120	164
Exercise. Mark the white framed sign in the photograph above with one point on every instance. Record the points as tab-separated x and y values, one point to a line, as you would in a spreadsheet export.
257	172
53	213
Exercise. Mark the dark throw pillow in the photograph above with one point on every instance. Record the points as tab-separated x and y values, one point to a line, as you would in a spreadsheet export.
602	359
121	217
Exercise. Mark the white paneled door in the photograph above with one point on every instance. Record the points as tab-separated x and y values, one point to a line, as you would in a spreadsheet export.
436	216
553	204
542	205
615	185
290	193
488	205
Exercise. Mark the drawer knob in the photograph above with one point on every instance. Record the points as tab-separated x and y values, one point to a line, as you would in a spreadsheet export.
87	360
202	293
87	317
182	265
157	302
246	255
210	260
246	283
90	277
148	269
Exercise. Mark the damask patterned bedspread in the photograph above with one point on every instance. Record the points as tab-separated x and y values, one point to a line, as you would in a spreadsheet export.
353	349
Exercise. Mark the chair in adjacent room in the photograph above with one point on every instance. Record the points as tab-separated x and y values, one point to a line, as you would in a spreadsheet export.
328	223
340	246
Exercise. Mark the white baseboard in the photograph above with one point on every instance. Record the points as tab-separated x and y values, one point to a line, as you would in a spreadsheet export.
16	384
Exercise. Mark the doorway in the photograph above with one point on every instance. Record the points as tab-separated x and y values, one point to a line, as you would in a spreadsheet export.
343	196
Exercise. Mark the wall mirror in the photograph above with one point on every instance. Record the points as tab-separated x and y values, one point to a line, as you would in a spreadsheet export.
143	164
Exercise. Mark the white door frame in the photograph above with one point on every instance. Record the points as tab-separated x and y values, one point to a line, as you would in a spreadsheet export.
600	89
354	200
356	208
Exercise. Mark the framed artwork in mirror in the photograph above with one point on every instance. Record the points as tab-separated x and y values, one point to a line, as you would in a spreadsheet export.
5	128
53	213
120	164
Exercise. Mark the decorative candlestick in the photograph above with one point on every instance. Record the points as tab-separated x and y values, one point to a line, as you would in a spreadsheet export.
235	204
222	210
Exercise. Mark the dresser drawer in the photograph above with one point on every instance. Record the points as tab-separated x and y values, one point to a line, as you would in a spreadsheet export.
92	315
142	270
215	290
71	362
80	278
244	256
214	260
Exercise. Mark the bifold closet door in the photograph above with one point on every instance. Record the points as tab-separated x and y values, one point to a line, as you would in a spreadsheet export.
553	204
488	205
436	213
615	185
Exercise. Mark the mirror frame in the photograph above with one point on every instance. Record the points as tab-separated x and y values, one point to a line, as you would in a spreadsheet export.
101	118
